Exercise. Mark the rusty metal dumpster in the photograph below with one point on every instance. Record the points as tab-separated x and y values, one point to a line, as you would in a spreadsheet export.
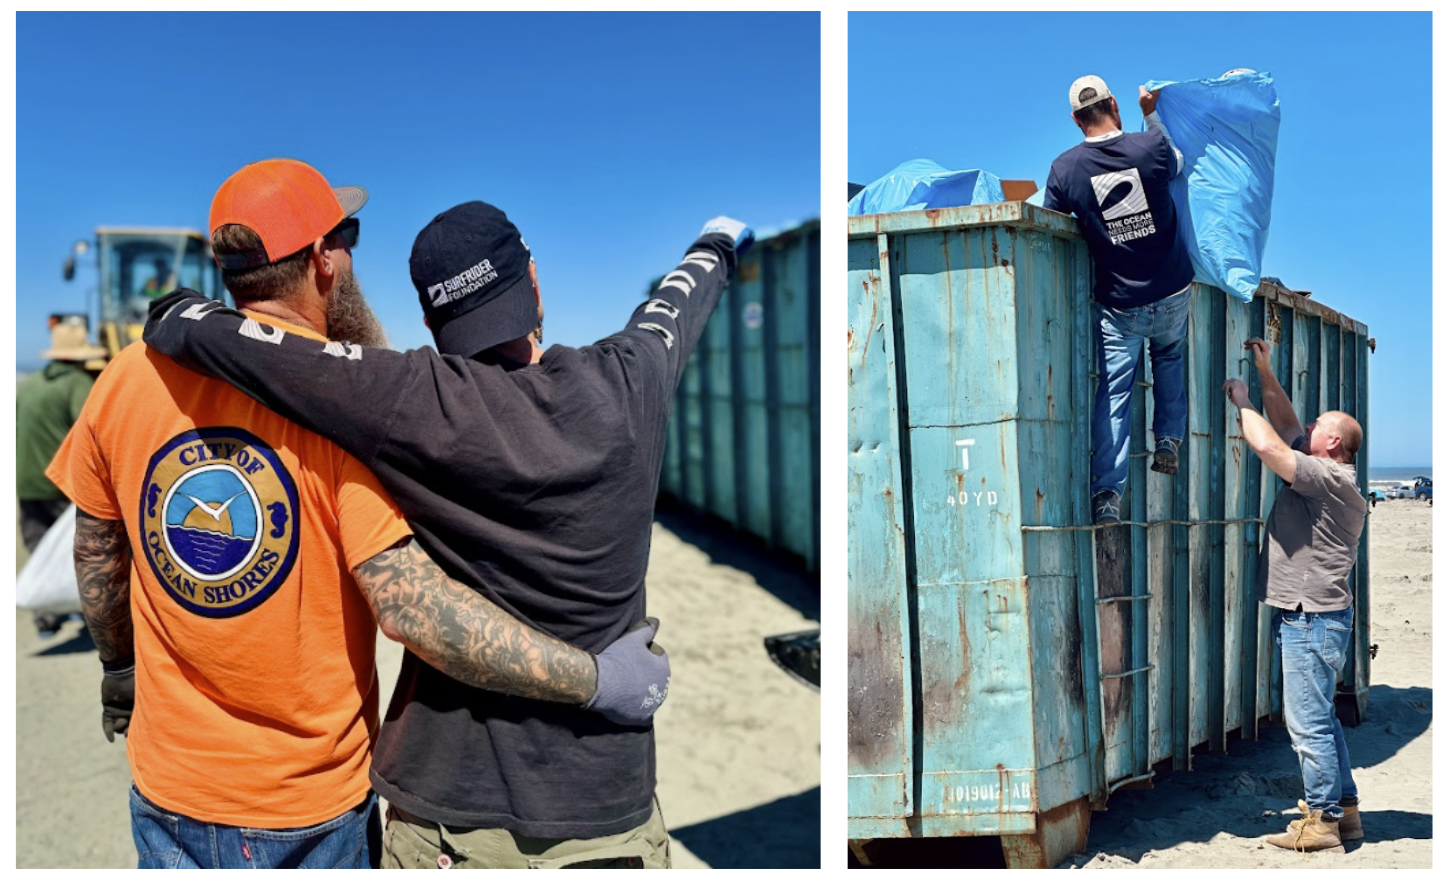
1009	666
744	438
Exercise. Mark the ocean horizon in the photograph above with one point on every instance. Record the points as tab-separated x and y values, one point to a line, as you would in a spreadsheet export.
1398	474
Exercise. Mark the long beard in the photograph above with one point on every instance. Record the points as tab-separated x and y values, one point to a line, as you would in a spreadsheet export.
349	318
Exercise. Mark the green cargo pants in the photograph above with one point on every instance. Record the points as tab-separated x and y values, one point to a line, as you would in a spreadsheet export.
410	842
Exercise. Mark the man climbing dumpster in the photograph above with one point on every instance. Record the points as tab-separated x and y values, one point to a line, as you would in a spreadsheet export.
1313	536
1117	186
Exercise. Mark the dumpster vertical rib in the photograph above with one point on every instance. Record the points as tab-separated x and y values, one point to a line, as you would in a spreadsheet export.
891	270
1142	761
702	356
1248	570
1180	603
745	465
1359	674
1084	358
813	373
1217	612
774	422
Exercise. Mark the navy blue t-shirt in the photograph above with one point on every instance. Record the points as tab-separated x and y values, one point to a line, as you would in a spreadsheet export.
1118	189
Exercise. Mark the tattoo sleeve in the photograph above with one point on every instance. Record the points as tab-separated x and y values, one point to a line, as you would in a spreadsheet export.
103	574
467	637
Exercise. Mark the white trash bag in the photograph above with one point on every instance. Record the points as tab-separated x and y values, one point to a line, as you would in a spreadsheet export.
48	580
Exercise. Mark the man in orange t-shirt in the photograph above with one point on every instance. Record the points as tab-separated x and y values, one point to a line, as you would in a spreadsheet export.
220	550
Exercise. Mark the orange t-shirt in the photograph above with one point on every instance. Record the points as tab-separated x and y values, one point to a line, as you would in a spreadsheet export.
256	686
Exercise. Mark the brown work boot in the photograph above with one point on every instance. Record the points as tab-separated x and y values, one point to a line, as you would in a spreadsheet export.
1350	828
1313	832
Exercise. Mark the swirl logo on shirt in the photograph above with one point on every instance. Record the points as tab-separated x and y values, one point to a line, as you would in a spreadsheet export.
219	520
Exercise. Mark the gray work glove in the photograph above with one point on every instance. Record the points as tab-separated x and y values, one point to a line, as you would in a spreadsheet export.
118	698
634	676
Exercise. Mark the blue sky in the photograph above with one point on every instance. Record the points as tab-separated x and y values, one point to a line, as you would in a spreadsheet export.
609	139
1352	199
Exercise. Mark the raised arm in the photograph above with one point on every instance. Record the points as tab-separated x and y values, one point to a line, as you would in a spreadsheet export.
1272	450
671	322
1277	407
103	574
1148	103
466	637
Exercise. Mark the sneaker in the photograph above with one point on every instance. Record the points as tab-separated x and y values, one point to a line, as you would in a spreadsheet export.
1165	456
1106	506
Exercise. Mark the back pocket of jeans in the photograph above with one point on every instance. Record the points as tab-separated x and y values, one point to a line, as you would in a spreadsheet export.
1336	643
157	835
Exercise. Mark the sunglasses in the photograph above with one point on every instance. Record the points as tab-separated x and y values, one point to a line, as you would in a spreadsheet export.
347	232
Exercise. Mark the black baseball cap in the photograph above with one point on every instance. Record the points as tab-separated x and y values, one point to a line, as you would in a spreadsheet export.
471	269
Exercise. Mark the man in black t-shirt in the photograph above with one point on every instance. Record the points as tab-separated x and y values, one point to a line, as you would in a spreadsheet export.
528	474
1117	186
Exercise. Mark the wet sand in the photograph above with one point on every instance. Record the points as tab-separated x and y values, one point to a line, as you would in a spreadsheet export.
738	740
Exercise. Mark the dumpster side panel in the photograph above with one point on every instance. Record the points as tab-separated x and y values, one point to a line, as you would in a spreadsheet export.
976	702
743	445
1199	374
1041	662
1054	487
715	357
794	504
880	690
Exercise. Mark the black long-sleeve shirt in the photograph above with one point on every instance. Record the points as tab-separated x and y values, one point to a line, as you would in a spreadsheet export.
536	487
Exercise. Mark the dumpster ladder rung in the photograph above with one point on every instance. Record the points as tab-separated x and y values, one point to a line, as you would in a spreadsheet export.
1131	672
1113	787
1124	598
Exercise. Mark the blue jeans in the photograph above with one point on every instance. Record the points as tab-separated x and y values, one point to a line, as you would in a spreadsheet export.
166	840
1121	335
1313	648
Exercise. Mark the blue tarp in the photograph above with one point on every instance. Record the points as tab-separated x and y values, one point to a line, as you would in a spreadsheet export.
1228	131
922	184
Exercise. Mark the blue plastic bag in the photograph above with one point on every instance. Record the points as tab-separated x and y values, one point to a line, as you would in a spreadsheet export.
1228	131
922	184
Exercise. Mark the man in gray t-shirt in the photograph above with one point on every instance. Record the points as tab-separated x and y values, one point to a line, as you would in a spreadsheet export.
1313	539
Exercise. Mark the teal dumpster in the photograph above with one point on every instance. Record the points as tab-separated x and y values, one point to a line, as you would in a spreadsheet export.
744	438
1009	667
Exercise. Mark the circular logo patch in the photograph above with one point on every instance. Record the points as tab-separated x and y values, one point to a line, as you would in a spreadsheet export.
219	518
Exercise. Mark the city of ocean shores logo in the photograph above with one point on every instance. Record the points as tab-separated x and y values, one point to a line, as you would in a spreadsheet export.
219	520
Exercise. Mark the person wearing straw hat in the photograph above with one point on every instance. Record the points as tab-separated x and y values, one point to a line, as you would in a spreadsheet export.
47	404
1117	186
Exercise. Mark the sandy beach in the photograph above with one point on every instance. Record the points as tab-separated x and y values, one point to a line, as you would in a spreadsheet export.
1217	815
738	740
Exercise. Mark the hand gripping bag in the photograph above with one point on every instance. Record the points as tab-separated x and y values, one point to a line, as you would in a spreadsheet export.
922	184
1228	131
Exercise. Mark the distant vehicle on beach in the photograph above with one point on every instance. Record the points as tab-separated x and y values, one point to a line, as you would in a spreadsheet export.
1423	489
1399	492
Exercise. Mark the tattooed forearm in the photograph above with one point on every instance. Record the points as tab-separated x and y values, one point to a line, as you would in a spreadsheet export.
465	636
103	573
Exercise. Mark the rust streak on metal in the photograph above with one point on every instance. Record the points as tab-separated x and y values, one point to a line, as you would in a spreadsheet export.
871	326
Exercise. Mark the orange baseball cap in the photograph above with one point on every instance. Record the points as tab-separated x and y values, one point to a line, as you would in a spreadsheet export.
286	202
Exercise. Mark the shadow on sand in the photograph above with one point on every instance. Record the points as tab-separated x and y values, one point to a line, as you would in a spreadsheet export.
784	577
784	834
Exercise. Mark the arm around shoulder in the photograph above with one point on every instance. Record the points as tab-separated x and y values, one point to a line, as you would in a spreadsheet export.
464	635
